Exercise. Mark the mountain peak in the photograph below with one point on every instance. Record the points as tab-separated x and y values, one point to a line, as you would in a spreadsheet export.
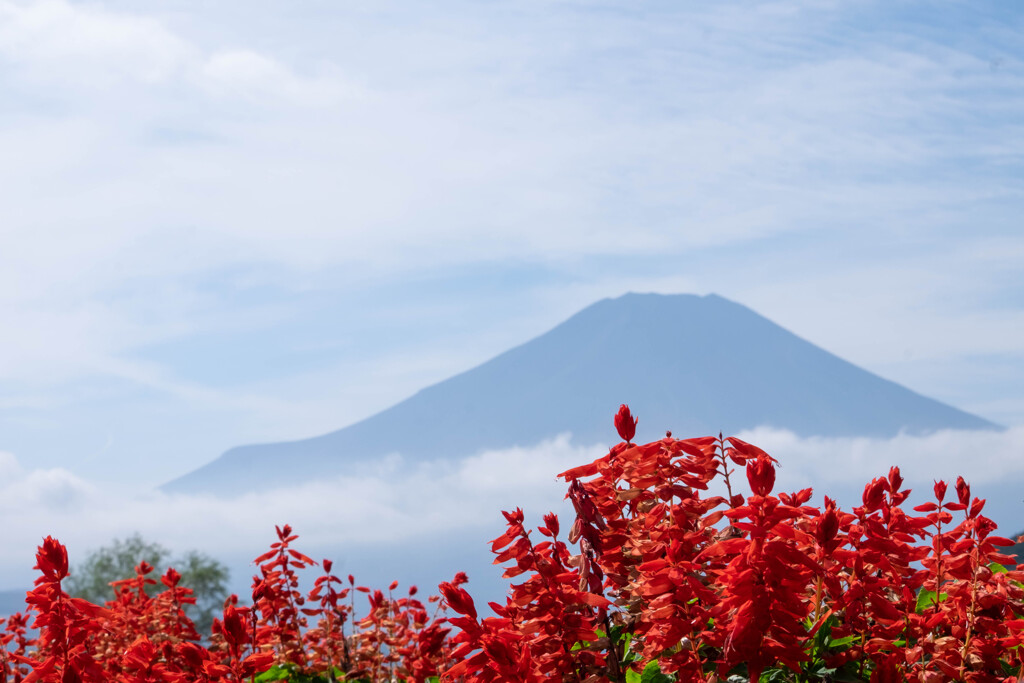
693	364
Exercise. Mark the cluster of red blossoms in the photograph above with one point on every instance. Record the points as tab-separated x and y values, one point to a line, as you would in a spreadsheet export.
656	581
284	635
670	584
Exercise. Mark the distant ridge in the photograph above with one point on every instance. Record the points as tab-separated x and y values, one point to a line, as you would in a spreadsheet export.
694	364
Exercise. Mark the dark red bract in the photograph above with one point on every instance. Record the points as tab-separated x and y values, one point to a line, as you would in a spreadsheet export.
625	423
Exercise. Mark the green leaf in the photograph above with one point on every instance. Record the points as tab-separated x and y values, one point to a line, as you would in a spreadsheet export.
840	642
775	675
1009	670
652	674
274	673
998	568
288	673
820	670
926	599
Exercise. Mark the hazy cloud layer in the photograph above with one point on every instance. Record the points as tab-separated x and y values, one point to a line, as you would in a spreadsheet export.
449	506
981	457
383	505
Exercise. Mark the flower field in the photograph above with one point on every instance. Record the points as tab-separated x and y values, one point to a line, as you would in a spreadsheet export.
655	580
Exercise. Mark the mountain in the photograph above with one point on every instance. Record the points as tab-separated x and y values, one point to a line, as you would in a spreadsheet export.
695	365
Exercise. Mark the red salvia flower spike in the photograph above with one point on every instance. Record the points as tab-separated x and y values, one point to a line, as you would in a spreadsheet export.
625	423
52	559
963	491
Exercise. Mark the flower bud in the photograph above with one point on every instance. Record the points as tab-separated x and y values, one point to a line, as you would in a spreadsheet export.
963	491
551	522
171	577
575	531
761	475
625	423
895	479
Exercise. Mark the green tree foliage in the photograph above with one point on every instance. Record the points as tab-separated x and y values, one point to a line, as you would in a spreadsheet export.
206	576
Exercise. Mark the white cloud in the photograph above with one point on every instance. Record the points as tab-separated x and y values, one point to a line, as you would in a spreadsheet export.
255	77
389	502
50	489
982	456
381	505
992	462
394	499
86	45
82	46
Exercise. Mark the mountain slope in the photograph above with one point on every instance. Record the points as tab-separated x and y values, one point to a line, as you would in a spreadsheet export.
695	365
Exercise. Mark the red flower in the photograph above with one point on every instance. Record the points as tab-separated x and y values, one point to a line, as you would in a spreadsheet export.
458	599
551	523
963	491
828	524
625	423
52	559
761	475
874	494
171	577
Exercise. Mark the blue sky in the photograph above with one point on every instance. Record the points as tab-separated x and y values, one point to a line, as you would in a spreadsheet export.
226	223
